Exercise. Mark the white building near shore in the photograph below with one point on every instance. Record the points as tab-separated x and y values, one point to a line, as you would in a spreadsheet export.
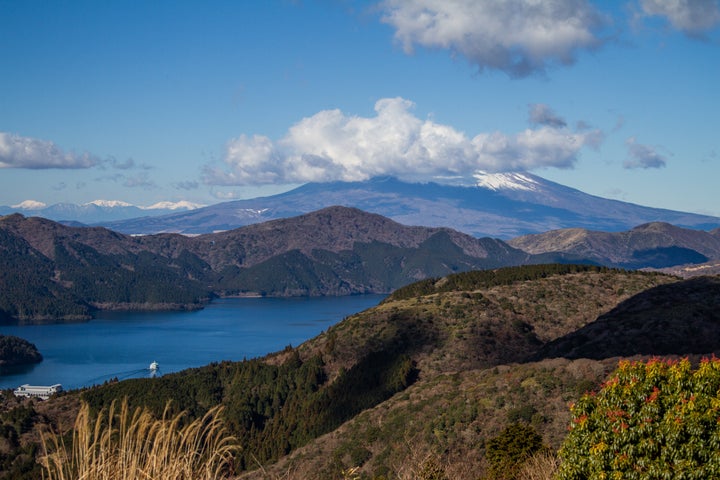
37	391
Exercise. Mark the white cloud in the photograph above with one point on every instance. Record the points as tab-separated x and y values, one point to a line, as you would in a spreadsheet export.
642	156
225	195
139	180
519	37
256	154
32	153
331	146
692	17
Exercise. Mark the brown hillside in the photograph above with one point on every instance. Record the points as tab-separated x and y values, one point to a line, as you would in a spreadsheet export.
617	248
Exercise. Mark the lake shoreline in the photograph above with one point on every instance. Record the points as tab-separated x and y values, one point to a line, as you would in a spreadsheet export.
123	343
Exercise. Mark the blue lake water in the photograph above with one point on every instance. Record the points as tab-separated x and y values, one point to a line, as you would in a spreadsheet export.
123	344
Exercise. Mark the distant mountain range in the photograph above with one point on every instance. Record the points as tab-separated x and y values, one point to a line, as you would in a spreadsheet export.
499	206
97	211
52	271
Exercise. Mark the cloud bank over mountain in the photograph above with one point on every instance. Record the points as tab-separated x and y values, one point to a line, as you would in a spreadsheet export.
331	145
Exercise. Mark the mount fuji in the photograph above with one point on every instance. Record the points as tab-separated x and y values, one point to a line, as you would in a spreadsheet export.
498	205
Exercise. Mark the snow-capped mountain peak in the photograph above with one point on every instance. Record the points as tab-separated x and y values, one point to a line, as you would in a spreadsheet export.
30	205
506	181
109	203
165	205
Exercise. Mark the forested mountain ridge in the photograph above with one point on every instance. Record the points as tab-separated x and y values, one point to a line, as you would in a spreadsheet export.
51	271
333	229
686	313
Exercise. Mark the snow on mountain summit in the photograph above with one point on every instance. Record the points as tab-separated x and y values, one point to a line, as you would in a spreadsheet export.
97	211
166	205
109	203
30	205
506	181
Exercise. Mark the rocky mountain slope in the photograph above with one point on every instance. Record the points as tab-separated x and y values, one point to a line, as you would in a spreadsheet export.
499	205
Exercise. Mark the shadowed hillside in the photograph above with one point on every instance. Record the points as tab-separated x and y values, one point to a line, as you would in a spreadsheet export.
681	318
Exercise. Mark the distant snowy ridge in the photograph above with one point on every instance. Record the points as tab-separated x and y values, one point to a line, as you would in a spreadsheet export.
110	203
97	210
166	205
498	205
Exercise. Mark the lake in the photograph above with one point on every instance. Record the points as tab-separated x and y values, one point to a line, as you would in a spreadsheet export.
123	344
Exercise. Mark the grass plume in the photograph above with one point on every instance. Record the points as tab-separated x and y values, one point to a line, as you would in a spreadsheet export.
123	444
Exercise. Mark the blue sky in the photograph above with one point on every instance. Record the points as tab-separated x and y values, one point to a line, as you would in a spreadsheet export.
208	101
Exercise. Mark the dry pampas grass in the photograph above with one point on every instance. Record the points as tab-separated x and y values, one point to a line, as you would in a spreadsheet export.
120	444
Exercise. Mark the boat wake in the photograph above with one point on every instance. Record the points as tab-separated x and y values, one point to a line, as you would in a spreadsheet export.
150	372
